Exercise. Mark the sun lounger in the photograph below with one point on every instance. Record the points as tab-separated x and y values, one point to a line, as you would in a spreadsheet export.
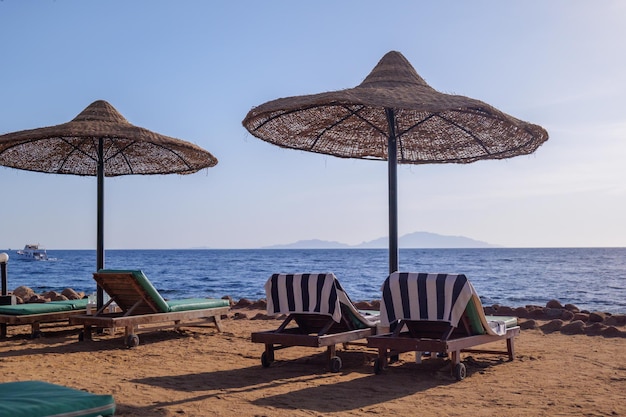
41	399
320	314
437	313
34	314
141	307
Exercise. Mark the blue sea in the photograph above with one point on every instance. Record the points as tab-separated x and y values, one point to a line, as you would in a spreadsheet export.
593	279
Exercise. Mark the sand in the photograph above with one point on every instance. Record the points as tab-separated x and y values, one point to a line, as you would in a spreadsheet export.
201	372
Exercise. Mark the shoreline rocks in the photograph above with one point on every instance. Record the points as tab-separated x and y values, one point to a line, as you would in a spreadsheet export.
567	319
553	317
25	295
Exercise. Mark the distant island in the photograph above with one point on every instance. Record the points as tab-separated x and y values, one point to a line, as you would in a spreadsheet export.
416	240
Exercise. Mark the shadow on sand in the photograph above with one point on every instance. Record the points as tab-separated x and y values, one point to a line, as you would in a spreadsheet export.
67	341
292	385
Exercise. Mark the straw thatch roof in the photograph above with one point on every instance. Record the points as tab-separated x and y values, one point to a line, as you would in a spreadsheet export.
72	147
430	127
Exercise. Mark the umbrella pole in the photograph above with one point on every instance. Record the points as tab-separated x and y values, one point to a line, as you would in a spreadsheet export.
100	220
392	156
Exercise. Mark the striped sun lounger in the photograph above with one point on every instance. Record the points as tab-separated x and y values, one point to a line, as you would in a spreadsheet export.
141	307
319	314
42	399
437	313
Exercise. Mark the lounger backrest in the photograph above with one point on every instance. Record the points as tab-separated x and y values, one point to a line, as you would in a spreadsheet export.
126	287
435	297
420	296
305	294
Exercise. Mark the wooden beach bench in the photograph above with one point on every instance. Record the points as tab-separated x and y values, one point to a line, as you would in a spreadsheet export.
36	314
319	314
141	307
42	399
437	313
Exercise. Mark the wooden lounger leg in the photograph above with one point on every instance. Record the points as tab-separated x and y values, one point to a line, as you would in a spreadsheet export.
35	330
458	369
3	330
510	347
86	335
331	351
380	362
131	340
334	361
456	357
218	323
268	355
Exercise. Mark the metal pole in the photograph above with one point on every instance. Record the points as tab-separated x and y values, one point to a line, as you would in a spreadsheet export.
100	227
3	272
392	155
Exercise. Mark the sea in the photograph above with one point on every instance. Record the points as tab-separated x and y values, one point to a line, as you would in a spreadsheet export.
593	279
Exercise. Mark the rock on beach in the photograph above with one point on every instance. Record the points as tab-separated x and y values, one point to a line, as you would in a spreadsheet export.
553	317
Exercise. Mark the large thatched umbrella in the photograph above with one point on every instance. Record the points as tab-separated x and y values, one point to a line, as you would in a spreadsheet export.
100	142
394	115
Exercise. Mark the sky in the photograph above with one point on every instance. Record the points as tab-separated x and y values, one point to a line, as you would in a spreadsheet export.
193	69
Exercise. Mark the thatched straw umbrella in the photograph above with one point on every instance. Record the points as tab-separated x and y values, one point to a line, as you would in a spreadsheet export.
100	142
394	115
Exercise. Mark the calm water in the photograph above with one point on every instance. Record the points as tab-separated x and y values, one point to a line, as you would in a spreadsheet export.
593	279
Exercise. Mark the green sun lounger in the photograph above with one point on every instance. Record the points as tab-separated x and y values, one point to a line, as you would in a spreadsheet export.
34	314
42	399
140	306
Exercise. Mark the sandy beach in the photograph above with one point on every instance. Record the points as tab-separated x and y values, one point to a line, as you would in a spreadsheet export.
201	372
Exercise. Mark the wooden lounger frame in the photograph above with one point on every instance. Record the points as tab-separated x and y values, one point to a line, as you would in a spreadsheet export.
312	330
435	336
36	320
147	322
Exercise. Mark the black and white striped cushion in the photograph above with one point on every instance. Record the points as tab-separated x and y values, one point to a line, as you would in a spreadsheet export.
420	296
304	293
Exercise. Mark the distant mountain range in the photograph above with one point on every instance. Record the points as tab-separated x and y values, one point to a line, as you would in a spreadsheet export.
416	240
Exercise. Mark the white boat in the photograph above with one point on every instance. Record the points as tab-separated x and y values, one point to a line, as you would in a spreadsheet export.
33	253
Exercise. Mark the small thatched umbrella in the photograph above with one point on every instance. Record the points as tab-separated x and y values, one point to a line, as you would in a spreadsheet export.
100	142
394	115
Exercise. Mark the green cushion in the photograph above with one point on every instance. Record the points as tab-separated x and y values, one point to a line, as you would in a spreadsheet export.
41	308
40	399
76	304
474	319
356	320
196	304
475	323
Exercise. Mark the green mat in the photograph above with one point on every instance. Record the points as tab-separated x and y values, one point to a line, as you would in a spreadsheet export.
41	399
41	308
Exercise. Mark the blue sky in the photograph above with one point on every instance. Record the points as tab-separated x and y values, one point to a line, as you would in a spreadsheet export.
193	69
